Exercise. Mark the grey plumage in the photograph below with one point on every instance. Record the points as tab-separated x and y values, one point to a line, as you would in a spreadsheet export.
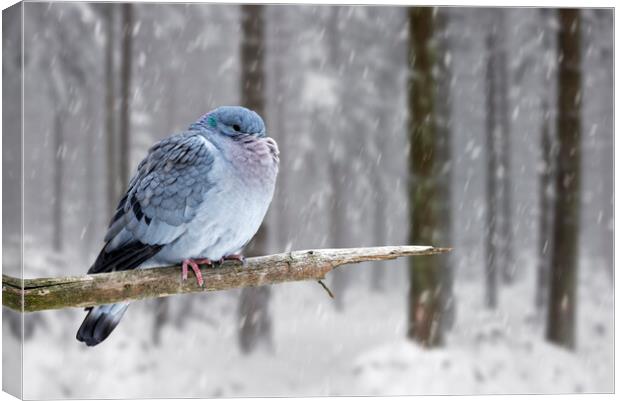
199	194
165	193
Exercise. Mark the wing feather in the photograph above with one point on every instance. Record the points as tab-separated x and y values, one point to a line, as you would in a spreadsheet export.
161	199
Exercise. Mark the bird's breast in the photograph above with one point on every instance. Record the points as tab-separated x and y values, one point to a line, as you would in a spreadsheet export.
236	204
254	161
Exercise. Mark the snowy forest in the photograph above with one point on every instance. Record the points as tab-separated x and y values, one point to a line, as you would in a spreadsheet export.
487	130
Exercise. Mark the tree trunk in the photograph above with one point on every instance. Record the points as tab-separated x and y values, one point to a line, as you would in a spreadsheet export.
162	315
504	180
255	322
491	189
425	273
253	312
112	184
563	301
378	274
252	58
546	174
544	219
125	112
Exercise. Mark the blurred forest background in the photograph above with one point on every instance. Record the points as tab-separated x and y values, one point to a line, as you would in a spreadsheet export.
487	130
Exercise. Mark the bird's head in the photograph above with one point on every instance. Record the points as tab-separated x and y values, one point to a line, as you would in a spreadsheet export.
232	121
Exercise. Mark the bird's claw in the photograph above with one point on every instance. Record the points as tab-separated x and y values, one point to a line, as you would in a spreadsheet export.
193	263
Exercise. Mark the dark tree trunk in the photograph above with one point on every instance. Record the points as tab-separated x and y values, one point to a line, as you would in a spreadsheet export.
563	280
378	271
491	246
252	58
255	320
162	316
112	182
125	112
504	182
425	272
544	220
545	177
253	312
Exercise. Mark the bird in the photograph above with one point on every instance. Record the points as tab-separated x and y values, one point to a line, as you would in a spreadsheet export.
197	198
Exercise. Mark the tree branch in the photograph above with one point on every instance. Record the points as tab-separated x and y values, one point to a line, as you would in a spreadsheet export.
97	289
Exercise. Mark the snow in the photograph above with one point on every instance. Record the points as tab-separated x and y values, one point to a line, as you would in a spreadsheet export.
500	367
501	352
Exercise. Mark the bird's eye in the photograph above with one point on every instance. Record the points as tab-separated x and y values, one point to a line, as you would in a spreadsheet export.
236	127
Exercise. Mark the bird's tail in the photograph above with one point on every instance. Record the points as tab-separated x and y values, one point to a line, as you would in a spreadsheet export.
100	322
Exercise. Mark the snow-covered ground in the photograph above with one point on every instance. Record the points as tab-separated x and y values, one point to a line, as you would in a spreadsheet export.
500	352
319	351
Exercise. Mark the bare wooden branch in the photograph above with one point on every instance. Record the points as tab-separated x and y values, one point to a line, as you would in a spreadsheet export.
97	289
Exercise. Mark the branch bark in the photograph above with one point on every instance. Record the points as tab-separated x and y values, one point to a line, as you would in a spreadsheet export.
31	295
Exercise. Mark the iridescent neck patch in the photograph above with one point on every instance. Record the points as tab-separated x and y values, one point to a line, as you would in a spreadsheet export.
212	122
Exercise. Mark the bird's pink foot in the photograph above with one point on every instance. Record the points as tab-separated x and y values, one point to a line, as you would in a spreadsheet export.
193	263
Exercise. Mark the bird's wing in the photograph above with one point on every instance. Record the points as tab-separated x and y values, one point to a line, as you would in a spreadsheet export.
162	198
